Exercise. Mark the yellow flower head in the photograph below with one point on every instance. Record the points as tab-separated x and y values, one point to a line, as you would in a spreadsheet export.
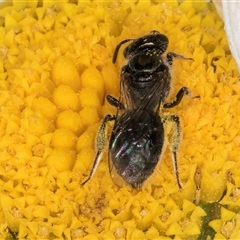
55	71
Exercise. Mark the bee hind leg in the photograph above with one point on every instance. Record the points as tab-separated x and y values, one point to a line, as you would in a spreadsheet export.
100	144
175	141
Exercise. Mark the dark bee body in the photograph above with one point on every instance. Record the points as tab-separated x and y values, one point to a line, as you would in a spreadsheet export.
137	137
135	145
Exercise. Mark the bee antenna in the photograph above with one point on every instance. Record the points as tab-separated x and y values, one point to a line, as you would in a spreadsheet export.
114	59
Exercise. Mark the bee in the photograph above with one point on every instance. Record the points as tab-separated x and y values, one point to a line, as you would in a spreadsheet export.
137	138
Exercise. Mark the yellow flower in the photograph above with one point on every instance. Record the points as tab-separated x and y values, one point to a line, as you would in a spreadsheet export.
55	70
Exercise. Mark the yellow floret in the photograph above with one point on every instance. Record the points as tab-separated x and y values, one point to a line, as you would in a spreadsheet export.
89	116
32	76
86	139
84	159
46	107
89	98
111	80
65	73
92	78
70	120
65	98
61	159
35	123
64	137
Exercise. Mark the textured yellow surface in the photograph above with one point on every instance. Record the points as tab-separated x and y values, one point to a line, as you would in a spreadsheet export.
55	69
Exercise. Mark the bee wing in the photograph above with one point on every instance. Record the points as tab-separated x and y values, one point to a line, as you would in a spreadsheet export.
155	94
125	96
130	126
146	98
150	98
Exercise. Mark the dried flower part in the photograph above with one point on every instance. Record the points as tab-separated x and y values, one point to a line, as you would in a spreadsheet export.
55	70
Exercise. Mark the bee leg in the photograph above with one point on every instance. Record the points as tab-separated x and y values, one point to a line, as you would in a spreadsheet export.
175	141
197	180
114	102
172	55
183	91
100	144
